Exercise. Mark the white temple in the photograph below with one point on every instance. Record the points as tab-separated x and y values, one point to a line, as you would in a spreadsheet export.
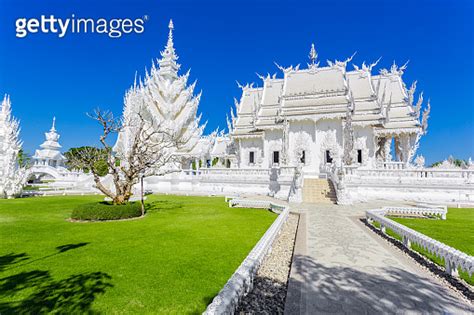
319	116
319	133
50	153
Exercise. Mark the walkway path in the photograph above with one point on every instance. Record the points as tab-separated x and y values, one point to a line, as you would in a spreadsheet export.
340	266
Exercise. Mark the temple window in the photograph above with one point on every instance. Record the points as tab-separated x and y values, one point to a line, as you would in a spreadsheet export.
303	157
251	157
328	157
276	157
359	156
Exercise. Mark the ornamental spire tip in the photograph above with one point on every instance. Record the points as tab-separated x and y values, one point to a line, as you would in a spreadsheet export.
313	55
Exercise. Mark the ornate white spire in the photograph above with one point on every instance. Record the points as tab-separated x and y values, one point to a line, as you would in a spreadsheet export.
52	138
54	124
168	65
167	100
313	56
12	176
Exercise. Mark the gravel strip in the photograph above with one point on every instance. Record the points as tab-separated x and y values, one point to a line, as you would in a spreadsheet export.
269	289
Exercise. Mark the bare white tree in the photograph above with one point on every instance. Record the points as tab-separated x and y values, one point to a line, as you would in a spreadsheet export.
151	151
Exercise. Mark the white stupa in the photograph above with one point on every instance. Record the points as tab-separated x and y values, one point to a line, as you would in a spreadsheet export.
50	153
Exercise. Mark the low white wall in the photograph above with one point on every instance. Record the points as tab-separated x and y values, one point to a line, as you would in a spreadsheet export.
274	182
413	192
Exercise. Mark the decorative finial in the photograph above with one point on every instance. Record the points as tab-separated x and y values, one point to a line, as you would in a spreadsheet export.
53	127
170	34
313	55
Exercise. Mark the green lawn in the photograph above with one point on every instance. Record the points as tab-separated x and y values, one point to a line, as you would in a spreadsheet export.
456	231
175	260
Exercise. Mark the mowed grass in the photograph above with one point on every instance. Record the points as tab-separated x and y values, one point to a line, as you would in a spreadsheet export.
456	231
175	260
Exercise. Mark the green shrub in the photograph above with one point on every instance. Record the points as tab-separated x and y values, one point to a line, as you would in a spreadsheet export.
99	211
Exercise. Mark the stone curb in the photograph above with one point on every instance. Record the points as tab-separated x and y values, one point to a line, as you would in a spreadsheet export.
241	282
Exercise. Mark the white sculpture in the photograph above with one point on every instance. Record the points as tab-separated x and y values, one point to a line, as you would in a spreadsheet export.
420	161
12	176
164	99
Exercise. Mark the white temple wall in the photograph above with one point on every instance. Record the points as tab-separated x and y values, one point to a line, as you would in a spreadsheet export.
251	145
273	141
329	136
277	185
302	137
364	140
449	194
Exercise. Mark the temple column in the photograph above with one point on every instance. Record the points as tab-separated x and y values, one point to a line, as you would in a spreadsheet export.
405	148
387	149
398	149
284	153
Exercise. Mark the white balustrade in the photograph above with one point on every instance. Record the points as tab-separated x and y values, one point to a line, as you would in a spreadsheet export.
453	258
447	175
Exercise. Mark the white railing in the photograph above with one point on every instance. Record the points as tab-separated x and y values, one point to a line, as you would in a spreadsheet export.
453	258
247	203
235	171
392	165
241	282
464	174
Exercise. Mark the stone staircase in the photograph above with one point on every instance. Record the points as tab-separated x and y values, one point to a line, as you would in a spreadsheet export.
318	190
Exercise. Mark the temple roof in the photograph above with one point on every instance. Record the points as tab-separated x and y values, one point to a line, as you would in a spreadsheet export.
317	92
220	147
50	148
47	154
314	81
247	108
202	148
270	103
250	99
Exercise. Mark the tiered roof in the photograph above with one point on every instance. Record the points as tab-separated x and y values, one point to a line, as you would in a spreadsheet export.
50	149
269	103
381	101
247	110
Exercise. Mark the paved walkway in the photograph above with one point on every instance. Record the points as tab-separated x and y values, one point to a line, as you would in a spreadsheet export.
341	267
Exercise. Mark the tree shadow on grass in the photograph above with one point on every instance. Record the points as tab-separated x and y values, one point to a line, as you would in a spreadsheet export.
72	295
67	247
36	292
11	259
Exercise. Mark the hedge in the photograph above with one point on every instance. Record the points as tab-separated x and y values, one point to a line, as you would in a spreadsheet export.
99	211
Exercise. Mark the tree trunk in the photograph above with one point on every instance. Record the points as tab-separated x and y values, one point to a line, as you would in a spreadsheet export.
119	200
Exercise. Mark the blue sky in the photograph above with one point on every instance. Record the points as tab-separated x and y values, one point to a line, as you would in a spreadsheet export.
225	41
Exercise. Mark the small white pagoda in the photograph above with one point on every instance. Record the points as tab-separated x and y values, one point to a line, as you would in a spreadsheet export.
50	153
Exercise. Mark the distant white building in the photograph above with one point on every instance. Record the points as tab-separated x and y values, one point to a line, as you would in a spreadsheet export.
50	154
50	164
